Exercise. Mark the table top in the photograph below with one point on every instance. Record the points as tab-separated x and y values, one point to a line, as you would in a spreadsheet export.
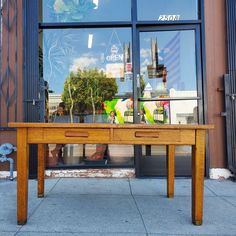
104	125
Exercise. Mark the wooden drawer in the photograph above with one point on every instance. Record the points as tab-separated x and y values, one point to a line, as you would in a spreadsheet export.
142	136
66	135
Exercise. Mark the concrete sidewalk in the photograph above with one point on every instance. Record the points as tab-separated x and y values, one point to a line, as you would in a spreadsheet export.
126	207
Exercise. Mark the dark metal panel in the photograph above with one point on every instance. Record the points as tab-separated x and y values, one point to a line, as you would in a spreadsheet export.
165	27
229	103
31	83
135	61
31	66
199	75
169	99
82	25
230	86
204	79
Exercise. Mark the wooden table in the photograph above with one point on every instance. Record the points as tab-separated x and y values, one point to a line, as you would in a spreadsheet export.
170	135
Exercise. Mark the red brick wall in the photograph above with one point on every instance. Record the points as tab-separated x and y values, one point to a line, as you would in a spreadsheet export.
216	67
10	136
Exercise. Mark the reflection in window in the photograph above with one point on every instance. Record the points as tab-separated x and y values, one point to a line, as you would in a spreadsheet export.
168	62
184	112
160	151
171	10
170	112
86	10
168	70
89	74
155	112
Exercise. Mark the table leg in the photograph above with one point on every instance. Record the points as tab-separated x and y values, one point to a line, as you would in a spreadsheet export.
41	169
198	163
170	162
22	175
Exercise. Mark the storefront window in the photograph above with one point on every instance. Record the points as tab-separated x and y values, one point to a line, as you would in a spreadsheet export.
86	10
171	10
169	112
89	76
168	71
88	71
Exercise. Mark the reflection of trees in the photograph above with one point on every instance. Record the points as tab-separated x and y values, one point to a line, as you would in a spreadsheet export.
142	84
86	90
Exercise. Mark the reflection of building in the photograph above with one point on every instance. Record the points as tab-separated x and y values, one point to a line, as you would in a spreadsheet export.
115	70
152	69
183	112
156	70
147	91
54	100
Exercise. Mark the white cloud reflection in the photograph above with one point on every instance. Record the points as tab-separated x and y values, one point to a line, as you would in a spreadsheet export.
82	63
144	65
145	52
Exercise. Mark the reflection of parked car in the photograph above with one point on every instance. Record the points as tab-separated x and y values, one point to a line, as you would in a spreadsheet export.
65	119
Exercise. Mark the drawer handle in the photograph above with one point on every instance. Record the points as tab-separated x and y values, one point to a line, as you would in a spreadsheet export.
143	134
76	134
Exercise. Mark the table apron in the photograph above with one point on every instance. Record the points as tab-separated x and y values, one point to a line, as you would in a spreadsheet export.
110	136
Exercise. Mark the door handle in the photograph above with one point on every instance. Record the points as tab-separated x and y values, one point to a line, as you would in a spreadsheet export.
138	80
232	96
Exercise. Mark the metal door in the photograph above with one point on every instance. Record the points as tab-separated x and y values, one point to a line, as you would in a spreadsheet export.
169	91
230	86
230	111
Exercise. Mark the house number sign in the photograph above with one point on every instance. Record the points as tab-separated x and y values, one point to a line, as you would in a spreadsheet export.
168	17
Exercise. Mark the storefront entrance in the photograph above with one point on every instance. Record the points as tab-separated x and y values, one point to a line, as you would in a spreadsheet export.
128	66
168	92
90	79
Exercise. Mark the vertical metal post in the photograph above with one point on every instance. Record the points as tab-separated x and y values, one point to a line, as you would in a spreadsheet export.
230	86
31	74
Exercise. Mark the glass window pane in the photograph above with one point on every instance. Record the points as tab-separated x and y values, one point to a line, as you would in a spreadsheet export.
160	151
183	112
168	64
89	77
171	10
89	155
86	10
169	112
90	72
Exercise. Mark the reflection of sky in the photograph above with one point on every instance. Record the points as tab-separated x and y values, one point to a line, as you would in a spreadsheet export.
67	50
186	61
116	10
86	10
187	9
